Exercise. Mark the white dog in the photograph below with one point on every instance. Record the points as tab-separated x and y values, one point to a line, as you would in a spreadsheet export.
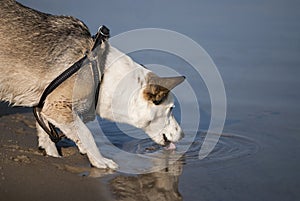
36	47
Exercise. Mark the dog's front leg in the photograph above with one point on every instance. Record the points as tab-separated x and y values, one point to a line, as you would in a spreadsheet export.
45	142
81	135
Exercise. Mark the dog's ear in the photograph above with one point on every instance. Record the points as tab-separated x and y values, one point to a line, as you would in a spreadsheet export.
158	88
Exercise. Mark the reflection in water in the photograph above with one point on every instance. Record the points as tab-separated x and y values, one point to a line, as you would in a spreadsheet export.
160	185
147	171
133	153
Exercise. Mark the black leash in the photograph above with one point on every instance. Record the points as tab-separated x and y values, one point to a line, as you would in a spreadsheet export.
101	36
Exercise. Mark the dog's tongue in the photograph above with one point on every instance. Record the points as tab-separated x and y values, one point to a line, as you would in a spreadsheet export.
170	146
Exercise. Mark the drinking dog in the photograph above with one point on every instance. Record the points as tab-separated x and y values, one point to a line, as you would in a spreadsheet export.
36	47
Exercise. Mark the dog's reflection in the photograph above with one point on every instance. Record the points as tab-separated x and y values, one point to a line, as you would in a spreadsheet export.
160	185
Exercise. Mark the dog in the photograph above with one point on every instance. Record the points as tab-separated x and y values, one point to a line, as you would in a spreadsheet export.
36	47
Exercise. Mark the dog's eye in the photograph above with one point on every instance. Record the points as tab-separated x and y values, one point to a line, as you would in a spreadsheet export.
157	102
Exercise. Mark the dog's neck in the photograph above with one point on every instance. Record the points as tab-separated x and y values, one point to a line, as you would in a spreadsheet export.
121	86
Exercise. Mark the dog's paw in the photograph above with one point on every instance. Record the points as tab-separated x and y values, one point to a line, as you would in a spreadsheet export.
110	164
104	163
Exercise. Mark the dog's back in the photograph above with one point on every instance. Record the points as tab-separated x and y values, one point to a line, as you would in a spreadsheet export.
35	48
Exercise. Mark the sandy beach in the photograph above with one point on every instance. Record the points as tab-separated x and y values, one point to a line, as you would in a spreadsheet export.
27	174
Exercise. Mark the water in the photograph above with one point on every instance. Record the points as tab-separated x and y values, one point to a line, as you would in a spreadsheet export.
229	146
138	154
255	45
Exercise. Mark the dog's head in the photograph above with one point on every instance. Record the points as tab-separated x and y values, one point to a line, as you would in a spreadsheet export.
132	94
159	122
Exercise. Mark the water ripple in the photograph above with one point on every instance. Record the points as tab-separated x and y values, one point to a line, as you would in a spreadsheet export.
229	146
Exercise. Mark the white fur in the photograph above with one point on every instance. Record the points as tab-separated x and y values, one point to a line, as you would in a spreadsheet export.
121	99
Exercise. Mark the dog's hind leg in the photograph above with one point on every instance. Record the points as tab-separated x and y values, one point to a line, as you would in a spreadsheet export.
46	143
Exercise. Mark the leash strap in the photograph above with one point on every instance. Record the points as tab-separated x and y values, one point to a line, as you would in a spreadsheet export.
101	35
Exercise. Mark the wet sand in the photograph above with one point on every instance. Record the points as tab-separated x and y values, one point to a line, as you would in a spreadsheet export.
26	174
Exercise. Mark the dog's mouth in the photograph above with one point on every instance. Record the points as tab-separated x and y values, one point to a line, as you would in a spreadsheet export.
168	145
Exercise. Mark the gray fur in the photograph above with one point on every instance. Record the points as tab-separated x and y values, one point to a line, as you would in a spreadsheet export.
35	48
